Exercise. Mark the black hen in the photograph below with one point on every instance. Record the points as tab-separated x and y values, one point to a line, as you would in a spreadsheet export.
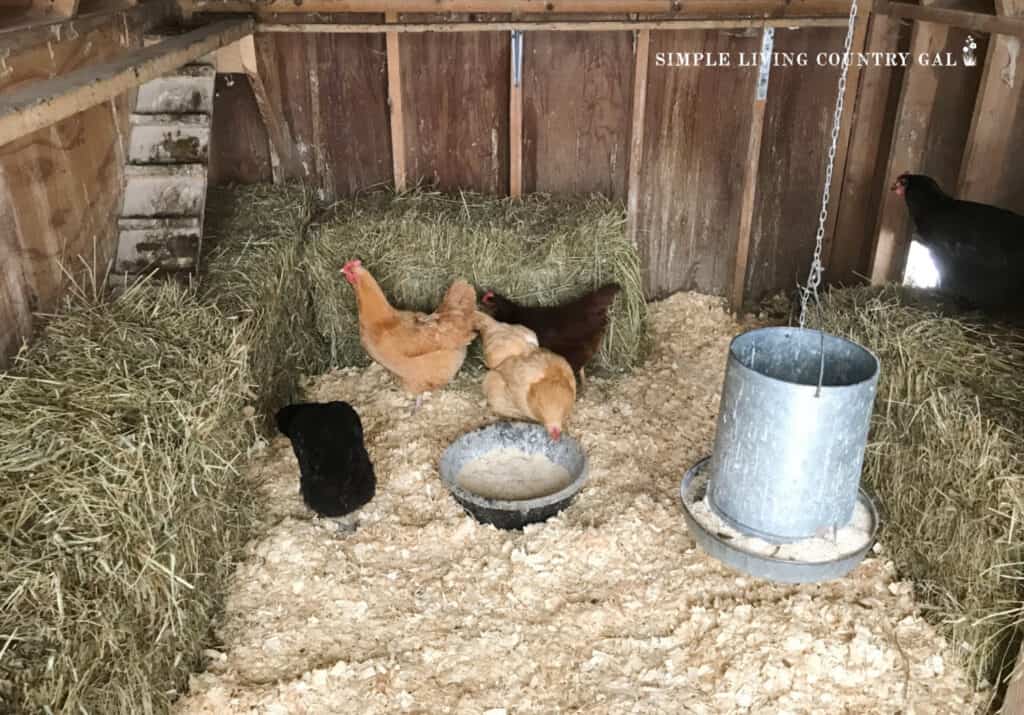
978	249
336	476
573	330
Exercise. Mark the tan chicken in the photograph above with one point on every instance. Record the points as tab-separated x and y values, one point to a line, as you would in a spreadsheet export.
525	381
423	351
501	340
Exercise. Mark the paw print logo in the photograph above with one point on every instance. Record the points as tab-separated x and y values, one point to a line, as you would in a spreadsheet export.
969	47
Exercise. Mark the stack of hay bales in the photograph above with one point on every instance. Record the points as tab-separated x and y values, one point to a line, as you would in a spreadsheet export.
124	424
121	500
538	250
946	458
255	275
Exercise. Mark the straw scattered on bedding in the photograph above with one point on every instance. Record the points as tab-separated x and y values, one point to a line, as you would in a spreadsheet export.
122	428
946	457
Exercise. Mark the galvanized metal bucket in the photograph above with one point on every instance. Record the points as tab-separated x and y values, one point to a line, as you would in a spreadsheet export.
792	430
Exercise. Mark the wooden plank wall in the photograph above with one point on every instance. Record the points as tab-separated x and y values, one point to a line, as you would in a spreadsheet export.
455	95
330	91
242	154
797	127
577	93
328	94
60	187
691	176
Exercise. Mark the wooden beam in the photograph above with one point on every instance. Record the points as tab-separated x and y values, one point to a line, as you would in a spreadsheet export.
984	166
668	8
515	127
752	163
636	135
917	98
276	136
979	22
41	104
147	15
562	26
394	62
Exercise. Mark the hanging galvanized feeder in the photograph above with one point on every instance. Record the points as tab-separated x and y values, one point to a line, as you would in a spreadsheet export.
792	430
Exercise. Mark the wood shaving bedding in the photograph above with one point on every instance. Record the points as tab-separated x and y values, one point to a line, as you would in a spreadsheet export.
608	608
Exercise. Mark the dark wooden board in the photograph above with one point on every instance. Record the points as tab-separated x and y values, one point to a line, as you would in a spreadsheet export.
354	110
691	182
283	64
455	95
330	93
797	127
577	90
239	152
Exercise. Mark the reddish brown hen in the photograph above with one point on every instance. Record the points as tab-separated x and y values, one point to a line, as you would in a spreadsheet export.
573	330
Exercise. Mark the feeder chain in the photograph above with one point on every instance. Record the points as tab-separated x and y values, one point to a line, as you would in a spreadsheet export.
814	277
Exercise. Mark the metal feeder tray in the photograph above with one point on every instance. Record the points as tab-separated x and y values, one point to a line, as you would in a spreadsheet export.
770	567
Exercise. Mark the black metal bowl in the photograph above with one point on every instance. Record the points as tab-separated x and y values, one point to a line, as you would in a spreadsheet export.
524	437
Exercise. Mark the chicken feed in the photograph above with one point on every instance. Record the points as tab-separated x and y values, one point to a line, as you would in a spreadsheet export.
846	540
607	608
509	474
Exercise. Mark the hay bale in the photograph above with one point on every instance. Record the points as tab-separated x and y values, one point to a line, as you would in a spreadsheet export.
946	459
121	504
254	274
538	250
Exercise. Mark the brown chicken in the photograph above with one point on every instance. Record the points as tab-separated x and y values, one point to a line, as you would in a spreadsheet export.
573	330
525	381
423	351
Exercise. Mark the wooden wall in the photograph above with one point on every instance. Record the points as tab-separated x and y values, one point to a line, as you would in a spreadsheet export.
60	187
328	95
318	107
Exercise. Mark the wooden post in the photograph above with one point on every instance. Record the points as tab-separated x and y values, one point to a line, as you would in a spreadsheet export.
867	123
753	160
515	120
860	33
984	166
325	178
40	104
917	97
1013	703
276	133
395	103
636	134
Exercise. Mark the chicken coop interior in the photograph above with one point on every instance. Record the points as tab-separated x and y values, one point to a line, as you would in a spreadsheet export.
298	296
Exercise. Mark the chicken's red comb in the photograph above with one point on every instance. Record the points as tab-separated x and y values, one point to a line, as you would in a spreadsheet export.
488	296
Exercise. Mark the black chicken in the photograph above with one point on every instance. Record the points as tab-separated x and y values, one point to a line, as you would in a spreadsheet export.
978	249
335	473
